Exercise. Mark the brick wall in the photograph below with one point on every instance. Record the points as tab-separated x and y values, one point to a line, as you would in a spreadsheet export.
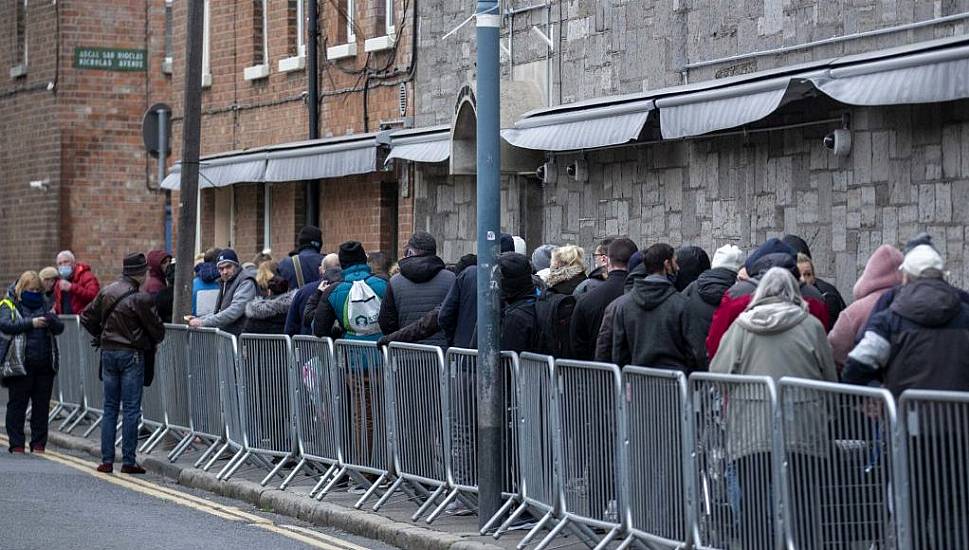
359	208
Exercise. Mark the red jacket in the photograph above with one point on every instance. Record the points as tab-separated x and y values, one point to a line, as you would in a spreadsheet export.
84	288
736	300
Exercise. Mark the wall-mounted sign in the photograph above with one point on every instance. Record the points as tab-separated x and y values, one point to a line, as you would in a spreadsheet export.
110	59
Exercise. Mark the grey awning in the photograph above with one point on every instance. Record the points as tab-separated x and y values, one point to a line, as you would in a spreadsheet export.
421	145
583	127
223	170
318	159
926	77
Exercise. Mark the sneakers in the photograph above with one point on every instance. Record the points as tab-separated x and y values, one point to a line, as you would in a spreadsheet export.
106	468
37	449
133	469
18	450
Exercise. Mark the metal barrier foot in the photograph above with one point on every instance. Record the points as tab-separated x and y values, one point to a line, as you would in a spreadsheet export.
322	481
76	421
531	534
289	478
154	440
386	496
211	461
605	542
440	509
370	491
181	447
279	466
552	534
54	412
94	425
230	469
428	503
67	420
329	487
511	519
494	519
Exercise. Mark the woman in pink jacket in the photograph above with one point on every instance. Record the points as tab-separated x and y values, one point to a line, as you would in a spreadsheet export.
881	273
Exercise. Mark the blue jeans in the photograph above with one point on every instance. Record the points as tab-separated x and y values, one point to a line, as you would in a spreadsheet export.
123	373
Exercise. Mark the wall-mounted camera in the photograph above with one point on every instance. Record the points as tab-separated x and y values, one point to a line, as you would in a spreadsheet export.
839	141
578	170
548	172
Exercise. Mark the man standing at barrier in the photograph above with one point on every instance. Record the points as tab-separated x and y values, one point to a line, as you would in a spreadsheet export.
238	289
125	323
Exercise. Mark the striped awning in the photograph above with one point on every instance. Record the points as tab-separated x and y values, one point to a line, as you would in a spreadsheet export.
421	145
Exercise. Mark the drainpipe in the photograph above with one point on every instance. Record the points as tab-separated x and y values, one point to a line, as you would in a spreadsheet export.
312	196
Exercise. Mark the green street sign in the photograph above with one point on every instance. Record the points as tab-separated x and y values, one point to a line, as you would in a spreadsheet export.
110	59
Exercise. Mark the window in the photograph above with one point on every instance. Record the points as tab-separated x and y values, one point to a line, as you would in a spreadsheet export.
206	23
260	42
167	62
297	28
385	30
20	35
346	37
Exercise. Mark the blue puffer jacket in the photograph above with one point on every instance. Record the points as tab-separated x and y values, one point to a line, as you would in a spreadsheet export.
333	302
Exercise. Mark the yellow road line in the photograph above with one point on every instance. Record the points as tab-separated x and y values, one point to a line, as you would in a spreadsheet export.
230	513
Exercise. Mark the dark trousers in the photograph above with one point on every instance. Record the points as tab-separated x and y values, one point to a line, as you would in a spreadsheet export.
35	389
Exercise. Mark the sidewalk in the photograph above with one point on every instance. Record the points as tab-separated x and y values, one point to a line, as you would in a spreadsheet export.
392	524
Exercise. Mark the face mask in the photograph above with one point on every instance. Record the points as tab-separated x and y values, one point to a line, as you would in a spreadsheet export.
65	271
33	300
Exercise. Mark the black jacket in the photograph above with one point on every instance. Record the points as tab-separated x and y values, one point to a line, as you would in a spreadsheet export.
650	325
589	309
702	298
421	286
519	323
459	311
40	346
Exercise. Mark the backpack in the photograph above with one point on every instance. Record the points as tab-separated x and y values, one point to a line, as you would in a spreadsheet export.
554	314
361	310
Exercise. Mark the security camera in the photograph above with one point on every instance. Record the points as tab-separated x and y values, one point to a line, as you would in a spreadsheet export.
40	184
839	141
547	173
578	170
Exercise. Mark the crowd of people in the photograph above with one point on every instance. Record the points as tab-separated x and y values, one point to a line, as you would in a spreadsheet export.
764	312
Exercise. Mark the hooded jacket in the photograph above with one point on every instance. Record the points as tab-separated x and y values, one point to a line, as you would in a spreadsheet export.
85	287
588	313
650	325
921	341
421	286
267	315
459	310
155	281
603	352
775	339
230	309
330	305
702	298
205	288
565	280
772	253
880	275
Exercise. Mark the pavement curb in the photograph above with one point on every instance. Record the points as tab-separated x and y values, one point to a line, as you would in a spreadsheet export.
324	514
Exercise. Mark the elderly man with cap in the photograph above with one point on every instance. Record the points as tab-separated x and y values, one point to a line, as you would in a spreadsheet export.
922	340
421	286
125	322
238	288
302	267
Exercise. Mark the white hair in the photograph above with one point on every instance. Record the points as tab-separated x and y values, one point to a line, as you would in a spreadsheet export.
780	285
66	254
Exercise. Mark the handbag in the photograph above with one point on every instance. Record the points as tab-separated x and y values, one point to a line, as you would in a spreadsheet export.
15	344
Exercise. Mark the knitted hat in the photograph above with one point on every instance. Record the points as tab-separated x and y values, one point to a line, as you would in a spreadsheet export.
134	264
771	246
921	259
422	241
227	256
728	256
506	243
542	257
516	275
310	236
352	253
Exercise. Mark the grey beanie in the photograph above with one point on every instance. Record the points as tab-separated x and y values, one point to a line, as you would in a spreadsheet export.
542	257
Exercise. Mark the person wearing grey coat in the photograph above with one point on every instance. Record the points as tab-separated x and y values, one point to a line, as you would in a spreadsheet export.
238	288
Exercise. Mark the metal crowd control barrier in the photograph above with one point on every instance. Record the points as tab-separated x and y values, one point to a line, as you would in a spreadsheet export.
415	376
153	401
233	423
935	504
70	376
657	433
266	380
203	396
317	428
737	474
165	404
587	412
461	368
360	398
93	390
839	443
537	439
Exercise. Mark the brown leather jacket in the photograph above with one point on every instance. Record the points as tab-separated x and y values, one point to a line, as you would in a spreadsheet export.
134	324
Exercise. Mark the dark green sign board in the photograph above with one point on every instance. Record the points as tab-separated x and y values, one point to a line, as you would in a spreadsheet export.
110	59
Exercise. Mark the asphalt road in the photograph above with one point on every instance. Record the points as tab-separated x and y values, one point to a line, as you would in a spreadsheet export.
58	501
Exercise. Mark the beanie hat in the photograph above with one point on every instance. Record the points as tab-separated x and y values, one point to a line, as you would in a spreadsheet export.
635	260
516	275
134	264
227	256
278	285
506	243
921	238
352	253
728	256
797	244
424	242
542	257
771	246
310	236
921	259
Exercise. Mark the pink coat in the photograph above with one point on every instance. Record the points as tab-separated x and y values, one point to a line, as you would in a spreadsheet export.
881	273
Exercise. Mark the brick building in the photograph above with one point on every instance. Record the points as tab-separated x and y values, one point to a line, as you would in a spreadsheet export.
702	122
75	79
256	159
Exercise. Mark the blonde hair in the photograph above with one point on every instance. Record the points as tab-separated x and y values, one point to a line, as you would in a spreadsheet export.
49	273
568	255
28	280
803	258
266	271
